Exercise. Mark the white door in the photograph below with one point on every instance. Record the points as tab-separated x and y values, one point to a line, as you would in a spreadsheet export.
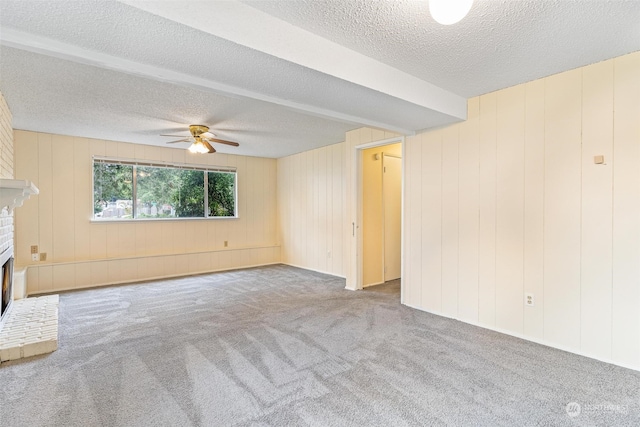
392	202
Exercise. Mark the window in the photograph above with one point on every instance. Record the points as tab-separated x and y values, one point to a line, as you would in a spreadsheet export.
161	190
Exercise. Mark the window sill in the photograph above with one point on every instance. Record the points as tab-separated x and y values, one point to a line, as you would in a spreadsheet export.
109	221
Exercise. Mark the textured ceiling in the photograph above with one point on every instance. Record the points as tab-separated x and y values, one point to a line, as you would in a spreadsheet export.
109	70
500	43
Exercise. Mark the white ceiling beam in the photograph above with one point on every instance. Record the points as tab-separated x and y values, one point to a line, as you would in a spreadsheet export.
244	25
50	47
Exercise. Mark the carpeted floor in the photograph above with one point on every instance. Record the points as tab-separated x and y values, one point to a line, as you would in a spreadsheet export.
282	346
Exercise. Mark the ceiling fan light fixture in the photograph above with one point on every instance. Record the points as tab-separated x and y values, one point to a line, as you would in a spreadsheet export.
447	12
198	147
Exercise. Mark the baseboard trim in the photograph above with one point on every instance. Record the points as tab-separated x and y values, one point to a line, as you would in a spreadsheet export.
149	279
531	339
312	269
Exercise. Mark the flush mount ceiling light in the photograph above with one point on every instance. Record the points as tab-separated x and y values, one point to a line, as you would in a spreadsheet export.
447	12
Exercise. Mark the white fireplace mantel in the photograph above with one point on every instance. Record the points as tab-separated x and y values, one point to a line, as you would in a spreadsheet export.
13	192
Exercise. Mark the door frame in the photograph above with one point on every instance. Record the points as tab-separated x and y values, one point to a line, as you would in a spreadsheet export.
357	249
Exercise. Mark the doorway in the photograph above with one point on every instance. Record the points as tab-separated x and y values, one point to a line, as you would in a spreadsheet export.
381	214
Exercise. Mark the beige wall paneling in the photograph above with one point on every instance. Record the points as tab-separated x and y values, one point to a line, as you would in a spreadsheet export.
98	241
597	200
26	166
141	243
168	265
83	204
331	213
562	209
450	140
113	239
351	243
534	207
45	279
315	207
338	213
284	204
310	206
409	281
295	236
111	149
308	197
63	276
83	275
626	210
99	272
468	214
126	243
487	228
66	233
321	184
246	204
427	199
412	286
510	107
127	150
45	197
33	280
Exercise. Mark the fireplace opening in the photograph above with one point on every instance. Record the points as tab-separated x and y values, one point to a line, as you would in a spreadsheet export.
6	275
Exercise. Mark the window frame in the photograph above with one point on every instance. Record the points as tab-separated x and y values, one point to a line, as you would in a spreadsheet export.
159	164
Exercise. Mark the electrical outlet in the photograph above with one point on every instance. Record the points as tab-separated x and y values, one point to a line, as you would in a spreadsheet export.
35	257
528	300
43	256
226	243
34	249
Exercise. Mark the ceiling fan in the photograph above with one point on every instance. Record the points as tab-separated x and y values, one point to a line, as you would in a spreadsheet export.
201	140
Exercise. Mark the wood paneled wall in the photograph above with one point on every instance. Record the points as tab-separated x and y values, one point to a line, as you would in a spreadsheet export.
311	205
82	253
510	202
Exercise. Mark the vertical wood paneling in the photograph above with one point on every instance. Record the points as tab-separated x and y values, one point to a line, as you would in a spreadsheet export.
413	287
626	210
409	279
534	207
487	228
469	214
510	209
61	166
45	197
321	184
450	138
427	149
337	236
597	199
26	167
82	184
311	209
63	200
562	214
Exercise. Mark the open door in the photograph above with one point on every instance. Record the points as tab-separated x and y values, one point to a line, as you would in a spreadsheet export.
392	211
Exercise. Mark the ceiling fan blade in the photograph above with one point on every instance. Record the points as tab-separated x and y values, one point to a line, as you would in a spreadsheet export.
222	141
179	140
177	136
209	147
